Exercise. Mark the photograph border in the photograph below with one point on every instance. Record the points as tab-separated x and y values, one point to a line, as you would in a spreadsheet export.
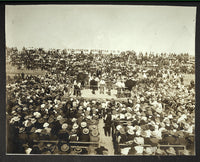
6	157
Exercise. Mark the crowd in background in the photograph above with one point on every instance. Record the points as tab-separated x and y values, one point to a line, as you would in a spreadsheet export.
160	108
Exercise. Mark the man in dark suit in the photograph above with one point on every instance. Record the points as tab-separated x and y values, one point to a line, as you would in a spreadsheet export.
108	123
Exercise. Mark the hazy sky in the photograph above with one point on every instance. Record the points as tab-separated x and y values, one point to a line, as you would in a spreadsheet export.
115	27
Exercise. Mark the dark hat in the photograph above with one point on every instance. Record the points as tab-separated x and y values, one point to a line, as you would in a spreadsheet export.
85	131
41	120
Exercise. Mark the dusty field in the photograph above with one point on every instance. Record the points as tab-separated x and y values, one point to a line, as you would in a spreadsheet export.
11	71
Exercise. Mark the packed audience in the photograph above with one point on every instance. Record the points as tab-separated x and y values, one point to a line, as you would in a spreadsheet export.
159	108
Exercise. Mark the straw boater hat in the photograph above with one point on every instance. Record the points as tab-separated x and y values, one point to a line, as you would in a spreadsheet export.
64	147
83	124
95	132
85	131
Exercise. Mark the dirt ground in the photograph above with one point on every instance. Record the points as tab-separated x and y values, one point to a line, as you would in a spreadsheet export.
12	70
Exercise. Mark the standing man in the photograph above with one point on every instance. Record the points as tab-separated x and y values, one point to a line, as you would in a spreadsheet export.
108	123
102	85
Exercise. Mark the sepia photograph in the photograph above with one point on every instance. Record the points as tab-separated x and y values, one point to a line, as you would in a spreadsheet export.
100	80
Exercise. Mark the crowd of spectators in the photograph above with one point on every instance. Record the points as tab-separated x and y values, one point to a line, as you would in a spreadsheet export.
159	110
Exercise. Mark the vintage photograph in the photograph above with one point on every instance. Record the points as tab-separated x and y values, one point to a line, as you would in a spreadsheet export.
100	80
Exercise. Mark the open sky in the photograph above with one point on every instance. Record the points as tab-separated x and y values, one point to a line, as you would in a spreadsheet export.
113	27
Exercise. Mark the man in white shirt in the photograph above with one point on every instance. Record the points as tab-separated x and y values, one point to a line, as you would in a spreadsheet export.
102	85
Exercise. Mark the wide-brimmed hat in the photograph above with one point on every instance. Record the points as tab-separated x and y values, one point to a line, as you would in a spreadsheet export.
64	147
74	131
75	126
122	131
118	127
78	149
74	119
85	131
37	114
59	117
148	151
64	126
160	152
139	140
38	130
128	115
186	152
130	131
27	123
171	151
45	125
91	127
95	132
83	124
88	117
139	149
43	105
